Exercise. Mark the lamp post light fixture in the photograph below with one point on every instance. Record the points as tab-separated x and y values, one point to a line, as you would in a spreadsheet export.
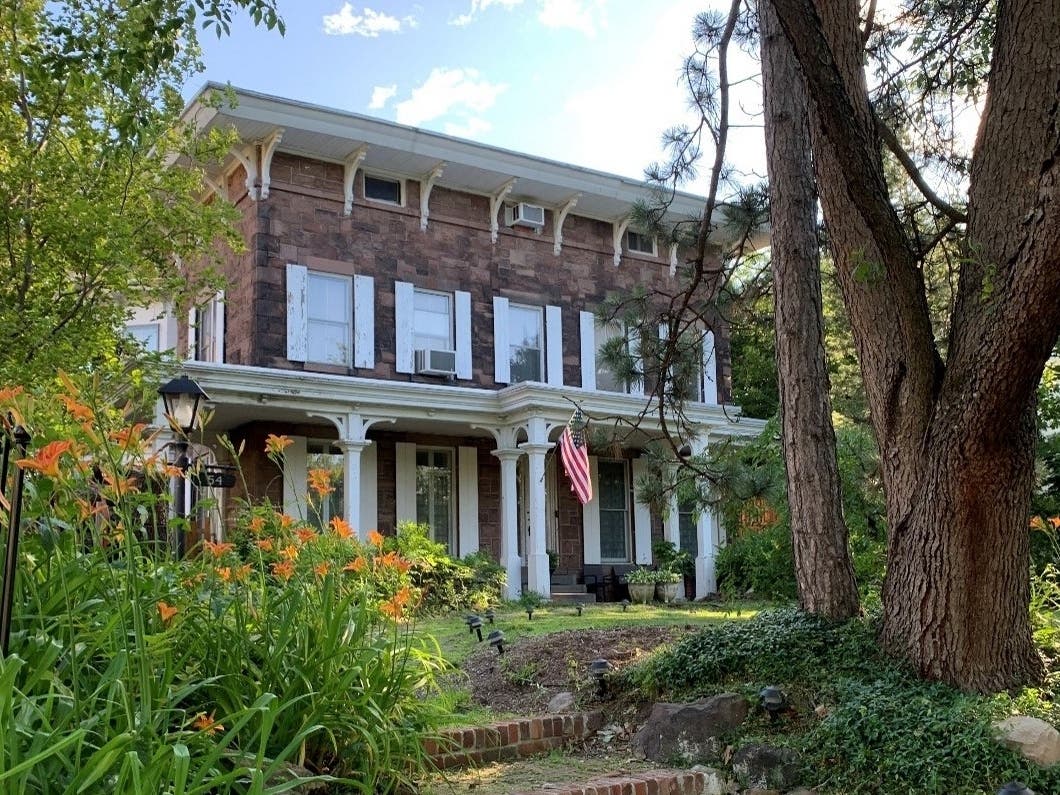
496	640
625	605
773	701
599	669
529	612
1015	788
476	627
469	619
489	615
579	607
183	400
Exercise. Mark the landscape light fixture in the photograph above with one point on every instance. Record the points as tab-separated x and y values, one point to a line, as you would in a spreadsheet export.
489	615
773	701
625	605
496	640
599	669
1015	788
529	612
579	607
476	627
469	620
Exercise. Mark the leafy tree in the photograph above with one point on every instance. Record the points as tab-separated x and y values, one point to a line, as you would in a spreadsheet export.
956	434
94	221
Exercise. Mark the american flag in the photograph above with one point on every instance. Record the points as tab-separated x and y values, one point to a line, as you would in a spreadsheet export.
574	453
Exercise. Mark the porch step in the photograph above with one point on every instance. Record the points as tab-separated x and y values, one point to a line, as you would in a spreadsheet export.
563	579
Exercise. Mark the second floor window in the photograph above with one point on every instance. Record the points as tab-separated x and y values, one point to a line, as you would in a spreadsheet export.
606	380
524	339
381	189
328	315
432	323
146	334
640	243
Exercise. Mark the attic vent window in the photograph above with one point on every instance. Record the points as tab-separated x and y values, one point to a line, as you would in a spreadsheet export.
640	243
381	189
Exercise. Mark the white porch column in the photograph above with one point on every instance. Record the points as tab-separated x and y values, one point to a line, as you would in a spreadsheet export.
510	522
538	578
706	533
351	483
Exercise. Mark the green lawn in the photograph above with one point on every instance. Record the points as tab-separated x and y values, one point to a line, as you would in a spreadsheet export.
457	643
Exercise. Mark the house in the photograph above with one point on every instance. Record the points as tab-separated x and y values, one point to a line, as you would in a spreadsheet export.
417	312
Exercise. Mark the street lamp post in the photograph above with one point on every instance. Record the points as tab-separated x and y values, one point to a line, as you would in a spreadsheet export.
183	399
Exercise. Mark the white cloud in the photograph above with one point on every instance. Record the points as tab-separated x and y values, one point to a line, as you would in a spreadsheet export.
478	6
474	127
368	23
448	91
579	15
381	95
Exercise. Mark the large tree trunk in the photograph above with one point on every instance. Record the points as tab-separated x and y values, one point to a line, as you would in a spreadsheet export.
956	442
824	572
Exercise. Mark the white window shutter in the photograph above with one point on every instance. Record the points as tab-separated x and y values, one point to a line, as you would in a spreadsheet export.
502	366
467	495
193	333
641	516
462	307
591	516
405	482
710	370
219	327
554	345
587	321
636	387
364	322
297	316
404	315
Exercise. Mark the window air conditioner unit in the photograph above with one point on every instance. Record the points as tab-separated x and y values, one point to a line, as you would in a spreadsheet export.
432	362
523	214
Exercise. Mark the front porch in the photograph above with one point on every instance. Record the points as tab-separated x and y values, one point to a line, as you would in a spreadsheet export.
478	465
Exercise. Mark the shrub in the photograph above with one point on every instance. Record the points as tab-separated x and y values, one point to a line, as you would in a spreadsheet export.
760	562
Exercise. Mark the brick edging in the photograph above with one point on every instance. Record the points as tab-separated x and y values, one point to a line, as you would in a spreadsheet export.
648	782
509	740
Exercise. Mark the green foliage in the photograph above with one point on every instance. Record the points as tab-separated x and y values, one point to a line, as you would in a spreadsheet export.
530	600
642	575
758	562
447	584
669	558
135	672
880	729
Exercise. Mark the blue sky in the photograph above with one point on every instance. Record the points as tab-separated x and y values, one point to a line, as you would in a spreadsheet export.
588	82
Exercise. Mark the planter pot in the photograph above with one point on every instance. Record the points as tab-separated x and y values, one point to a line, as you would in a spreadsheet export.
668	591
641	592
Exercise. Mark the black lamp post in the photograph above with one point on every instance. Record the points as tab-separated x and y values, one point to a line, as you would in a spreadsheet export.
625	605
19	438
579	608
476	627
489	615
773	701
183	399
496	640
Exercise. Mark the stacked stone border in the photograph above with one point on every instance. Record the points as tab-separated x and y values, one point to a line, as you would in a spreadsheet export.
648	782
506	741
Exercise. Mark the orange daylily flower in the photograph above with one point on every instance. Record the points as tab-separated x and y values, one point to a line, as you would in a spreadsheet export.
375	538
218	548
225	573
357	565
257	524
341	527
285	520
265	544
78	411
274	445
283	569
290	552
394	561
167	611
206	723
8	393
46	459
322	569
1037	523
395	606
128	436
1055	522
305	535
320	481
88	509
243	572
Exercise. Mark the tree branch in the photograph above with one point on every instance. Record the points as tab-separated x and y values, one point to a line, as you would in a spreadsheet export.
892	142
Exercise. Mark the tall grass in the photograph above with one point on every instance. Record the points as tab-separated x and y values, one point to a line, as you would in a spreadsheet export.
131	671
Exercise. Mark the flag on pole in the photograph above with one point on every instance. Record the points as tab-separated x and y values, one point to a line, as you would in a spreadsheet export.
574	453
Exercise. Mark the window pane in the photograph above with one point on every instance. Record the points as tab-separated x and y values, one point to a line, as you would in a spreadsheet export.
328	342
524	335
434	494
686	525
146	335
605	378
387	190
525	364
329	314
322	509
612	484
613	535
614	539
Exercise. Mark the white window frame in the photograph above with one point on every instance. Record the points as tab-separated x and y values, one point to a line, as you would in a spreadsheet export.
541	345
633	234
627	510
599	340
346	283
144	333
367	175
450	342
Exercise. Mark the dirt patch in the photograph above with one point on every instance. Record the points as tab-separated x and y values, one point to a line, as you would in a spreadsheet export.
535	669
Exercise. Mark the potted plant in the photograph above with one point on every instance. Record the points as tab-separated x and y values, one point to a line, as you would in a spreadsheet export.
667	556
641	582
668	585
